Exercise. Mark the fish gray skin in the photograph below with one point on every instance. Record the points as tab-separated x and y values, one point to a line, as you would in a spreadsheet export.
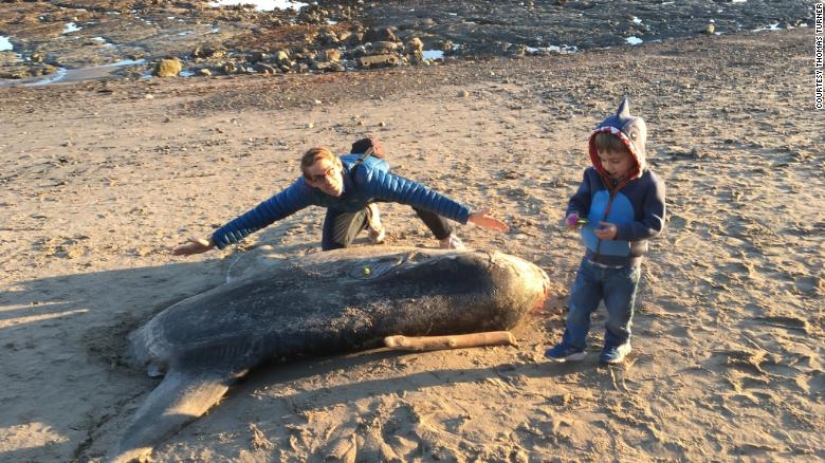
322	304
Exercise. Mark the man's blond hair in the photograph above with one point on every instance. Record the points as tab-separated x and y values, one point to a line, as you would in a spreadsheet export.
313	155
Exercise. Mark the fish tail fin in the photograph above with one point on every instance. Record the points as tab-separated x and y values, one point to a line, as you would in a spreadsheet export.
182	397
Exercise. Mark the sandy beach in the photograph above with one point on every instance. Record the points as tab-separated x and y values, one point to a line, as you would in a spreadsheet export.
101	179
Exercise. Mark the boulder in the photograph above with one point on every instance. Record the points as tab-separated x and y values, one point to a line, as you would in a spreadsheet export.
378	61
170	67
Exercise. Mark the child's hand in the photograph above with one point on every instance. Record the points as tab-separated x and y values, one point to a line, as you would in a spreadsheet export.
574	221
606	231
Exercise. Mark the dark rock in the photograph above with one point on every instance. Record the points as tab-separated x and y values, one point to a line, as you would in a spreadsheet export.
378	61
383	34
264	68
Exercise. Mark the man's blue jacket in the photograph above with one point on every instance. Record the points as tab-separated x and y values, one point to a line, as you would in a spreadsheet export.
364	183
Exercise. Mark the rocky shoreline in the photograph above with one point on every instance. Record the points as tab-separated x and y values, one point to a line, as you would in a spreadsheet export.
59	41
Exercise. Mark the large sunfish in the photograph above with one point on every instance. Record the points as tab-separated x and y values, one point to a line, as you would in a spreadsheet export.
321	304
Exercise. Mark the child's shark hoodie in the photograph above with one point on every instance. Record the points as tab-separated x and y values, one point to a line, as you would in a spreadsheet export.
635	204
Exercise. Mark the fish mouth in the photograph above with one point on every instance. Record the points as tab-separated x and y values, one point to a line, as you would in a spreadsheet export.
545	292
534	279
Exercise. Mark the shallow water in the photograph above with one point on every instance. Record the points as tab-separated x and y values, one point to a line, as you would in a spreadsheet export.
433	54
71	75
5	44
71	27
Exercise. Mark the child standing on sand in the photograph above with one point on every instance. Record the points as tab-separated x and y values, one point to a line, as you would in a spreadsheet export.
619	205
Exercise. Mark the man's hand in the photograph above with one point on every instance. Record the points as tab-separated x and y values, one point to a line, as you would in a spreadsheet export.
194	246
606	231
481	219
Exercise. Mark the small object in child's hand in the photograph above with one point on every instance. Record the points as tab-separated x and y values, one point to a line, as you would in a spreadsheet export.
574	220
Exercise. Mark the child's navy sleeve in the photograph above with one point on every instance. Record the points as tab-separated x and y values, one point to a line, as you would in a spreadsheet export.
580	201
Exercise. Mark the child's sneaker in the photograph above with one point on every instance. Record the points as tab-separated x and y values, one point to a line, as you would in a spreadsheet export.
613	355
562	352
376	229
452	242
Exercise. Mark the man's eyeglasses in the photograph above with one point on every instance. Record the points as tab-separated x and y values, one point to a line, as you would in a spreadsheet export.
319	178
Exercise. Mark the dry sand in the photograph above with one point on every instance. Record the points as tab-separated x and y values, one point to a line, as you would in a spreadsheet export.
100	180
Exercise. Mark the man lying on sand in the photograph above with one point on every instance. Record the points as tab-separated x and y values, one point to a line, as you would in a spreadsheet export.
348	186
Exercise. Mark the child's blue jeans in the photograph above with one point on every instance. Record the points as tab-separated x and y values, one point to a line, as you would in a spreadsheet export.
617	286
